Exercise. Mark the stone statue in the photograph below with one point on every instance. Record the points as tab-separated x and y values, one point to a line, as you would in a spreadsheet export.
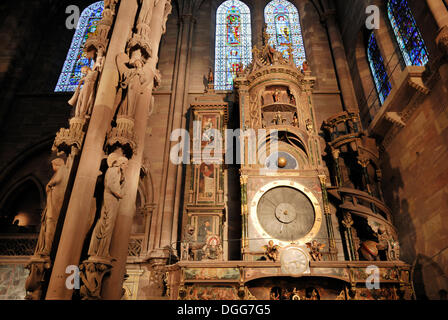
133	81
315	248
55	197
113	191
92	275
83	98
145	12
271	251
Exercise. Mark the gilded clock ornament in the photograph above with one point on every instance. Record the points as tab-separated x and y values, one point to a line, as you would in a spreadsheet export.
294	261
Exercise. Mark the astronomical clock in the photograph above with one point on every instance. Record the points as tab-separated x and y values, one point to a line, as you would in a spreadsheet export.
281	168
301	226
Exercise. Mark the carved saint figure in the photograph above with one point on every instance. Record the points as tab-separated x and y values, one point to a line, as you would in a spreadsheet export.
83	98
276	95
271	251
133	81
309	126
55	197
113	191
295	120
211	76
315	248
212	249
278	119
305	66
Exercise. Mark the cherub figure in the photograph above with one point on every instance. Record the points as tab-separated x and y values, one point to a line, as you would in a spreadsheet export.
315	248
271	251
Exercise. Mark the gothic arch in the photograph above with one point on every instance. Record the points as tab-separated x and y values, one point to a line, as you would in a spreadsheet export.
23	202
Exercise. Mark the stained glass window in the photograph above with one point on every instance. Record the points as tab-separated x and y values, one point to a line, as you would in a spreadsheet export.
233	49
76	58
407	34
283	28
378	69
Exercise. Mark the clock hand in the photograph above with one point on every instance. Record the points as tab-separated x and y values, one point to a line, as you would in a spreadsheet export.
275	206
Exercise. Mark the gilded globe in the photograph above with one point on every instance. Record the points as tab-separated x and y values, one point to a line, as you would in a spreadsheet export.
282	162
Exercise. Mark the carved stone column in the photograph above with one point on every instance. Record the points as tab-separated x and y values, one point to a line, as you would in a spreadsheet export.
77	217
439	12
112	288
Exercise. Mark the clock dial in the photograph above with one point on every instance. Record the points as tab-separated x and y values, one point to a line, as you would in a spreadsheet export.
285	213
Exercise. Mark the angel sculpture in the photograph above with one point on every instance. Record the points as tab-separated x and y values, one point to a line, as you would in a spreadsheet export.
315	248
271	251
133	81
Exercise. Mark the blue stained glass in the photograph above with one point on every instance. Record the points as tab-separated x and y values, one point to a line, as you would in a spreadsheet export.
378	69
76	58
283	27
233	48
407	34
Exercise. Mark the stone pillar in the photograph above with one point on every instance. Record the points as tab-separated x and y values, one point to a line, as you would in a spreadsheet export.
439	11
342	69
112	288
164	225
77	217
440	14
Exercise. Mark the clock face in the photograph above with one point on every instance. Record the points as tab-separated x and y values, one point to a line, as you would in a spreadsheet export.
285	213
